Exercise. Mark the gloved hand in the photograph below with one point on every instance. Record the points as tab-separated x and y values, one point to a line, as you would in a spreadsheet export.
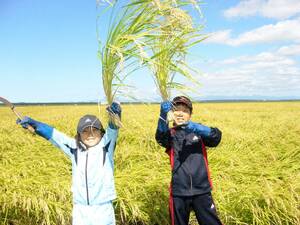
165	107
114	109
198	129
41	129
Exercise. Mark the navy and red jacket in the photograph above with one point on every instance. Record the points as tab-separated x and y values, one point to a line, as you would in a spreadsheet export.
188	158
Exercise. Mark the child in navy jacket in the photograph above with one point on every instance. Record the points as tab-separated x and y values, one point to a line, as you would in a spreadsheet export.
185	143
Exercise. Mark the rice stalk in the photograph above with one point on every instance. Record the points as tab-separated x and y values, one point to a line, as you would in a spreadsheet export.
124	45
255	170
177	33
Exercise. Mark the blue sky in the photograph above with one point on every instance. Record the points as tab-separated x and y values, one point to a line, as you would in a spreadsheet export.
48	51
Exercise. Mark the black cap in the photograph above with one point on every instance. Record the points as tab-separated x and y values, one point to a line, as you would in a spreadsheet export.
89	121
183	100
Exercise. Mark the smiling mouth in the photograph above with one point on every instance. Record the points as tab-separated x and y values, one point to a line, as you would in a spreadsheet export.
90	138
180	120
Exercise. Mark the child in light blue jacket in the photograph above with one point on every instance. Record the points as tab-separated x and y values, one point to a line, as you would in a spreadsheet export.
91	153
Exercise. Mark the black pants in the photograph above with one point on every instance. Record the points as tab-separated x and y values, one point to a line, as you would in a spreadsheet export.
203	206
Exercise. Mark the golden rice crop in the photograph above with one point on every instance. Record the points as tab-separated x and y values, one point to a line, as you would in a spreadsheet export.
156	34
255	170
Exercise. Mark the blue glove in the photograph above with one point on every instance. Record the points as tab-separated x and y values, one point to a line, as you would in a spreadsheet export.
198	129
41	129
165	107
114	109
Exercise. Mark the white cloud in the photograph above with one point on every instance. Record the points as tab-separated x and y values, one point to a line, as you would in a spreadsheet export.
292	50
223	36
244	82
270	73
288	30
274	73
244	9
263	61
278	9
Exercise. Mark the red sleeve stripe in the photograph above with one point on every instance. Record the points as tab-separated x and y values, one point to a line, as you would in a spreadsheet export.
170	152
206	164
171	206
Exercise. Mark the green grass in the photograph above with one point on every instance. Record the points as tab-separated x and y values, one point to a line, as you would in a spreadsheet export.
255	170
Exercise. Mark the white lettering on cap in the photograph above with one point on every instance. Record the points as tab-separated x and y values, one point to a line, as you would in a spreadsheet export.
87	120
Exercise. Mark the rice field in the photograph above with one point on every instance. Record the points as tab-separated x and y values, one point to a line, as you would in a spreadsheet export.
255	170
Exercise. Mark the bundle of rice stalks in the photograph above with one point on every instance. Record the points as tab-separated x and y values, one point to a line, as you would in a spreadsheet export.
161	29
125	45
177	33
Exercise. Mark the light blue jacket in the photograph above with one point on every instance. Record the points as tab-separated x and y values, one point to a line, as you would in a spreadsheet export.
92	170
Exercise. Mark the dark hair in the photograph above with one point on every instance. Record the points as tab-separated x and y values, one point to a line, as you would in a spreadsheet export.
79	143
184	101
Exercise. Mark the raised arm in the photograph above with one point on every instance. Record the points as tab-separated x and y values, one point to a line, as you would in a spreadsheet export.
57	138
162	134
211	136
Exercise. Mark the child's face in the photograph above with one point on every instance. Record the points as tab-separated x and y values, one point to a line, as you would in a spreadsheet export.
90	136
182	114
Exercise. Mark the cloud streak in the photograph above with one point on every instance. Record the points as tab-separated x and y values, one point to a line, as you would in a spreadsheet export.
273	73
276	9
287	30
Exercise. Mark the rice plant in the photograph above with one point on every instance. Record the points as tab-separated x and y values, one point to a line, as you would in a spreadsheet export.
255	171
124	49
124	46
177	33
156	34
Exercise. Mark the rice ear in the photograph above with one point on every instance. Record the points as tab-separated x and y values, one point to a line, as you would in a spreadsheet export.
125	44
170	117
178	33
115	119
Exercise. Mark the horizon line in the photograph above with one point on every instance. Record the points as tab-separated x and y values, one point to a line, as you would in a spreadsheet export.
155	102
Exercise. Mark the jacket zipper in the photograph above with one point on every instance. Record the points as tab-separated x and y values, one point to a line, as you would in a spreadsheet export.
191	181
191	178
86	180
